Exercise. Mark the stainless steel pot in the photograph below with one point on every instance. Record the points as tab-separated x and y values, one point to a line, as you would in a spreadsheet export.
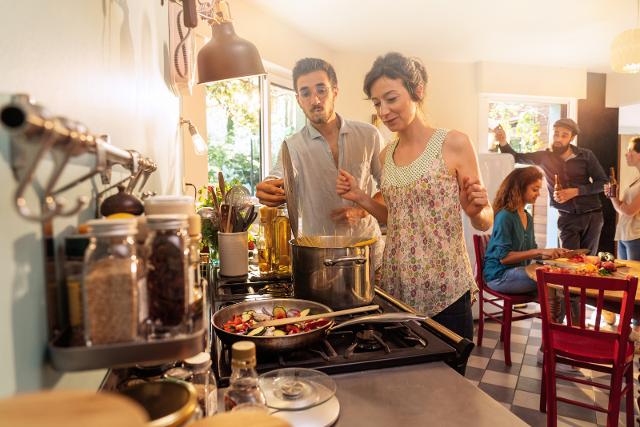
332	271
303	339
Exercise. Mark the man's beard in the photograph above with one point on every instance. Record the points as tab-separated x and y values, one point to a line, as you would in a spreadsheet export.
322	118
559	150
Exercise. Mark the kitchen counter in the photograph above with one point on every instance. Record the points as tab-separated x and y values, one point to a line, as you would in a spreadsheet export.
426	394
415	395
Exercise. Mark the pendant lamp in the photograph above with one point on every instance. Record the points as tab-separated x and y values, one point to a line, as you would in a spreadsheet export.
625	50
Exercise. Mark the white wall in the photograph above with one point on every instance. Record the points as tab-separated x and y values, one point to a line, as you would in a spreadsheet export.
622	89
101	62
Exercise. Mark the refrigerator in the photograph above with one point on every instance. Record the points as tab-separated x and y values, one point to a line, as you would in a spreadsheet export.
494	167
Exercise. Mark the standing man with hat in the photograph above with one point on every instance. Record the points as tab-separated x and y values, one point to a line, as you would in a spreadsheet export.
581	178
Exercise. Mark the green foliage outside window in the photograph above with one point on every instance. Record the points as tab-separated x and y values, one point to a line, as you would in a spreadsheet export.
525	124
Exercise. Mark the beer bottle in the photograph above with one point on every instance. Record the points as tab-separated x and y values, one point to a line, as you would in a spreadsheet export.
613	183
556	184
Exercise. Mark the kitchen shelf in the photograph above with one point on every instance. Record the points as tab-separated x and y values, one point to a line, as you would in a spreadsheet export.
80	358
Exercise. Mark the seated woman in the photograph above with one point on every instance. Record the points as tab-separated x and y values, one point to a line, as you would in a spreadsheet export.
513	245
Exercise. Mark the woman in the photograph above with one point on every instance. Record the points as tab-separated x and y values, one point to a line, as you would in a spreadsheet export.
513	244
428	175
628	229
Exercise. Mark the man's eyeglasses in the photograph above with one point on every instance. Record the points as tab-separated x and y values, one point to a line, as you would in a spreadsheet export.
321	92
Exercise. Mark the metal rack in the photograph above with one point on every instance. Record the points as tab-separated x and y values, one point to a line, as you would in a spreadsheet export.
36	137
36	134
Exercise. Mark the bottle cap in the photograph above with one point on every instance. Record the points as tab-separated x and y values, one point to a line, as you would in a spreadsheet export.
243	354
199	361
165	222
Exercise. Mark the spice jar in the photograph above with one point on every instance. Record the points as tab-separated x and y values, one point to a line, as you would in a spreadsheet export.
74	250
111	283
204	382
167	249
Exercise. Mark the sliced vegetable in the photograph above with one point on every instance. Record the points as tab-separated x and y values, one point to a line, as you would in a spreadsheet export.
257	331
279	333
293	312
305	312
279	312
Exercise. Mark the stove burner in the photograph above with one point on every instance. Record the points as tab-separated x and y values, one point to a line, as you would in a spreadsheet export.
291	390
367	340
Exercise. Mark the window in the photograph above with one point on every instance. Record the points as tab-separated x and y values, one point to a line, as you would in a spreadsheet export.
247	120
527	124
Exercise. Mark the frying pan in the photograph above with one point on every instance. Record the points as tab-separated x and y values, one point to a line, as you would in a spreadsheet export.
303	339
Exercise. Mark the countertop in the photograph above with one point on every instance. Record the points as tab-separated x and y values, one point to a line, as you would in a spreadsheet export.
415	395
430	394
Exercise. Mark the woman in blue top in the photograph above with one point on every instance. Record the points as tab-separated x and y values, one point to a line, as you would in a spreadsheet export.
513	245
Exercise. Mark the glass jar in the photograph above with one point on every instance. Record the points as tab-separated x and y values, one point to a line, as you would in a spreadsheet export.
195	278
282	231
204	382
168	289
111	283
74	250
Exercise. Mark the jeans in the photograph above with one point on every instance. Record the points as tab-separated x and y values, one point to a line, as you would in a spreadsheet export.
629	249
514	281
457	317
580	231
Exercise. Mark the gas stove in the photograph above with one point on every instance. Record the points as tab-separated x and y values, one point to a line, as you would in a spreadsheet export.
349	349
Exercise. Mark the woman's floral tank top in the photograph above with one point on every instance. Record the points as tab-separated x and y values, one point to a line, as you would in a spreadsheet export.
425	259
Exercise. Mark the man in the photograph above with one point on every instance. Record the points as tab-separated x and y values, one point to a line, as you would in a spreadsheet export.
581	178
327	143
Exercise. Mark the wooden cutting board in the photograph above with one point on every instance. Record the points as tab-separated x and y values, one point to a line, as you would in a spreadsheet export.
67	408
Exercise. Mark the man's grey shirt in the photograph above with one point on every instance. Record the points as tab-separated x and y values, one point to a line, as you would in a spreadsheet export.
315	175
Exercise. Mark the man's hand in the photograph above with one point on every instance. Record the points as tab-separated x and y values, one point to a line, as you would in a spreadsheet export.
347	187
348	215
270	192
501	135
473	196
564	195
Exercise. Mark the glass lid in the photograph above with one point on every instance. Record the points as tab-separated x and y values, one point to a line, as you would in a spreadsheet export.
296	388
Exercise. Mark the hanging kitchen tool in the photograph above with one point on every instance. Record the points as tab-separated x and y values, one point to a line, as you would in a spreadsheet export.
290	189
237	196
221	183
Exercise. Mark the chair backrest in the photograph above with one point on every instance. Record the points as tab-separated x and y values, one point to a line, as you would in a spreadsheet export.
480	242
594	288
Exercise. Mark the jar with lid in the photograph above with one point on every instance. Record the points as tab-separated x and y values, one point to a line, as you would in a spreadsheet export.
204	381
167	249
195	278
74	250
111	283
282	231
243	383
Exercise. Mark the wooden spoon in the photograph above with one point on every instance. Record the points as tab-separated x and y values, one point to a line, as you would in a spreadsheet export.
289	320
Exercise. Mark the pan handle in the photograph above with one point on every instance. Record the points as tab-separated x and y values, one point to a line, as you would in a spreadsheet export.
329	262
381	318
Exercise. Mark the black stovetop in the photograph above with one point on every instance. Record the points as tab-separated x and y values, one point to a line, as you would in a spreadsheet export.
348	349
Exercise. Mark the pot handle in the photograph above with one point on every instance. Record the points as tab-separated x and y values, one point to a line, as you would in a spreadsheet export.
329	262
381	318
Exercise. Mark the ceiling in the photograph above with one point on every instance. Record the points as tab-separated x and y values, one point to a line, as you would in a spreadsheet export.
567	33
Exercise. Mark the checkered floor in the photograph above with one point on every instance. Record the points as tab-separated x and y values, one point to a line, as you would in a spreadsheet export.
517	386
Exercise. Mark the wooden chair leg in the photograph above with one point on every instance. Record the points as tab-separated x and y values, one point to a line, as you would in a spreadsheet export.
543	389
552	404
481	318
629	405
613	412
506	332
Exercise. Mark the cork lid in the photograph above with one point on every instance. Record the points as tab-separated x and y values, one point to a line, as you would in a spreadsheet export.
243	354
195	224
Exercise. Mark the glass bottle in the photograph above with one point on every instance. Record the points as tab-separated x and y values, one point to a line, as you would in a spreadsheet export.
282	258
556	184
243	387
612	191
110	283
168	290
266	242
204	381
195	278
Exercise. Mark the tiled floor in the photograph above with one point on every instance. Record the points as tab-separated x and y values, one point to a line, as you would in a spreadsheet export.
517	386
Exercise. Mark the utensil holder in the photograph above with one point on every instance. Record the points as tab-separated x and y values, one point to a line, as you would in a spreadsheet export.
233	251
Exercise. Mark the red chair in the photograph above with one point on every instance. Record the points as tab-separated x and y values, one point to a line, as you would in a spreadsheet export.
575	344
505	315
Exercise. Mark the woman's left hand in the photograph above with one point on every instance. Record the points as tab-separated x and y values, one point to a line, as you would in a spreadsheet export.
473	196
